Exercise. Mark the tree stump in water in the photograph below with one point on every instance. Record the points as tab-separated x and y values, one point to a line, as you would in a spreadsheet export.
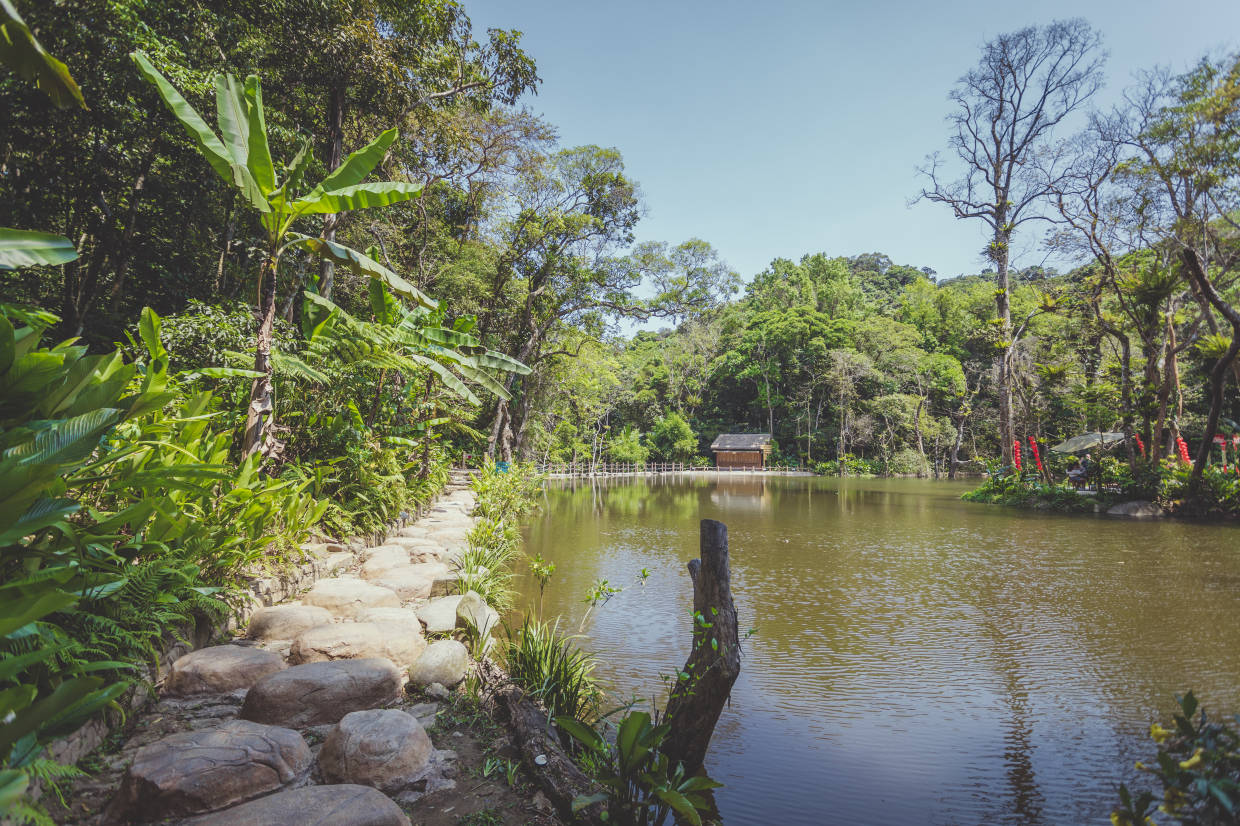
699	695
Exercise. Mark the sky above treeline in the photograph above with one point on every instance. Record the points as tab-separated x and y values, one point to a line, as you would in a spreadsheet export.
781	128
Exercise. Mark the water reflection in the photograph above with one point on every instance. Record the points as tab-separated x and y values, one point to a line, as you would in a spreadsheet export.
918	659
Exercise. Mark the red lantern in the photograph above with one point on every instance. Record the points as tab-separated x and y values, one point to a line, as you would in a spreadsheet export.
1140	444
1037	455
1016	454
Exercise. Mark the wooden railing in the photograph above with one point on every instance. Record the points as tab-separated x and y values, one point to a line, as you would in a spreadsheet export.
586	469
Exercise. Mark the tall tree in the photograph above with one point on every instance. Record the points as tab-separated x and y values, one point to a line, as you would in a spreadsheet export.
1007	110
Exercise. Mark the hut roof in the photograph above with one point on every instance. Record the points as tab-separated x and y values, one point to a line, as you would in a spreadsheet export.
741	441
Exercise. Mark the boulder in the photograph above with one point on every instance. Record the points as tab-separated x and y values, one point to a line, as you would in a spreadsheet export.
322	692
220	669
1138	509
210	769
443	661
473	612
439	615
343	805
284	622
408	583
400	643
384	748
346	595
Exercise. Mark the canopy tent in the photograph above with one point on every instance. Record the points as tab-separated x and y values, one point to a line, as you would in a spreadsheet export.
1089	441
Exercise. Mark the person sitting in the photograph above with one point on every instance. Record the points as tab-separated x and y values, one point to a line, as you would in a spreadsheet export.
1077	474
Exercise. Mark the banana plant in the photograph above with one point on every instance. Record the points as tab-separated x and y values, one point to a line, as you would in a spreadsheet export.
409	340
240	154
22	52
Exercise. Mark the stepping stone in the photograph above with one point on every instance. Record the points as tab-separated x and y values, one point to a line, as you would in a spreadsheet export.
408	582
220	669
323	692
443	662
412	531
343	805
473	612
378	567
388	550
391	616
446	585
284	622
439	615
203	771
384	748
344	596
402	644
337	561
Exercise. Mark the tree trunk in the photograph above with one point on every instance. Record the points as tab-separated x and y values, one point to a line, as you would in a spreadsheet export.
1003	309
713	665
334	155
921	450
261	413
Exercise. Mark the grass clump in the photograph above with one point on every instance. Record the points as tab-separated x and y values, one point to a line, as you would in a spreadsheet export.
550	667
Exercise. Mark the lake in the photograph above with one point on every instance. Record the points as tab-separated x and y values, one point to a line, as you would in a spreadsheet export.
917	659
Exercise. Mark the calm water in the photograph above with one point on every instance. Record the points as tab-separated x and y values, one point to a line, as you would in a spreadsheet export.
918	659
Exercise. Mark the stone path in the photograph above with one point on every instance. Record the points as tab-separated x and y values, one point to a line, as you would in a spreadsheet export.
306	720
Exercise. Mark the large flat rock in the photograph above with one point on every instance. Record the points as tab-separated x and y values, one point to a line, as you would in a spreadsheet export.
398	642
210	769
343	597
341	805
408	582
220	669
285	622
322	692
384	748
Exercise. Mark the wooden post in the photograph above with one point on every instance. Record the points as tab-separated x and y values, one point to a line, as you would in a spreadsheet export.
697	699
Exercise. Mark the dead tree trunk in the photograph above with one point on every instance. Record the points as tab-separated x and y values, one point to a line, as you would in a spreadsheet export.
698	697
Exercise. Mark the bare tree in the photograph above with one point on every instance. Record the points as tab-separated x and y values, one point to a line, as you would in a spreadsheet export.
1007	110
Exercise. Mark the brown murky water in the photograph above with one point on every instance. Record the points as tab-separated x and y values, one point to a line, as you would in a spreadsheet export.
918	659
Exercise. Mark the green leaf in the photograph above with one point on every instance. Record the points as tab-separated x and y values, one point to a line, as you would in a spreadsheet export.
26	248
234	119
13	783
446	376
209	145
358	196
24	608
580	732
359	164
260	164
22	52
43	513
682	806
362	265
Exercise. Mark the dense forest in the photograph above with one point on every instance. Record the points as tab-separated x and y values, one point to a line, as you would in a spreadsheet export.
270	268
528	246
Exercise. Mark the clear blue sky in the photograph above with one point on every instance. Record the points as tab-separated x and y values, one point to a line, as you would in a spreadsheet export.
775	129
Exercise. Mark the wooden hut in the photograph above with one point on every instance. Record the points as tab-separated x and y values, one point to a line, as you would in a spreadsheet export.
741	450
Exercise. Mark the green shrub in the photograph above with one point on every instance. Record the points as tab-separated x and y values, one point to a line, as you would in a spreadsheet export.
486	564
642	785
548	666
1198	767
907	462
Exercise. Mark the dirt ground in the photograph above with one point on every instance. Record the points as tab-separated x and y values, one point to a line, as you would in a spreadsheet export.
492	787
